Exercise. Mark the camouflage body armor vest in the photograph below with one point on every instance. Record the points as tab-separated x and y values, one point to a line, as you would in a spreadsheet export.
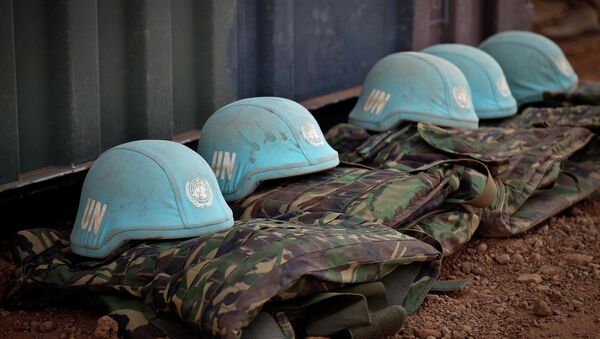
587	93
428	199
538	172
572	116
218	283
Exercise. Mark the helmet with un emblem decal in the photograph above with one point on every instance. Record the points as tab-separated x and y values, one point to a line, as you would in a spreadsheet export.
257	139
491	95
413	86
532	63
147	189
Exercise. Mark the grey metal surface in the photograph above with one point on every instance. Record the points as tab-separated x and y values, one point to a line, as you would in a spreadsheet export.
467	21
80	76
302	49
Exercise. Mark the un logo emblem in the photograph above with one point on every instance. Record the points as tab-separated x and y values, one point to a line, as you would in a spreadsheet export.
461	97
502	86
198	192
563	65
312	135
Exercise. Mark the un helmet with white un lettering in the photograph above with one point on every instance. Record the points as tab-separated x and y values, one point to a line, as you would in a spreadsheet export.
532	63
413	86
491	94
257	139
148	189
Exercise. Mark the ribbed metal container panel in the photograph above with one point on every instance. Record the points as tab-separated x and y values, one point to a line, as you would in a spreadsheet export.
80	76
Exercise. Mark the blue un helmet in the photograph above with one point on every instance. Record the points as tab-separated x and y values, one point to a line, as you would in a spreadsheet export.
491	94
149	189
414	86
532	63
263	138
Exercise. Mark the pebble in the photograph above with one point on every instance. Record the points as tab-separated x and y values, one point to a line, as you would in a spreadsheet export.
445	331
549	270
479	271
106	328
47	326
4	313
467	267
542	309
578	259
543	288
531	240
517	258
530	277
432	297
503	259
536	256
482	248
425	332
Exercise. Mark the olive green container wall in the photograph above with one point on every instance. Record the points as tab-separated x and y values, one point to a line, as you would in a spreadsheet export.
80	76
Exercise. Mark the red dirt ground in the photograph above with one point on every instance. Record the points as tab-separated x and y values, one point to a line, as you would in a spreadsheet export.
557	263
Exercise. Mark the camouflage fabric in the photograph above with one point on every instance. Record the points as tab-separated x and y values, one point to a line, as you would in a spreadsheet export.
573	116
218	283
586	94
402	200
535	171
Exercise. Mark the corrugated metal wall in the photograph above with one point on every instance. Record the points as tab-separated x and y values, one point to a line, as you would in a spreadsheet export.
467	21
80	76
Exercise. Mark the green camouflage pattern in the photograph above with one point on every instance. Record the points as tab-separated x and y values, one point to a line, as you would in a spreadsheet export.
135	318
587	93
417	200
534	169
218	283
572	116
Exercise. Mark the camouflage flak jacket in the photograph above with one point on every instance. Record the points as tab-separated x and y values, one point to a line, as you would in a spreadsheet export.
587	93
538	171
218	283
571	116
422	200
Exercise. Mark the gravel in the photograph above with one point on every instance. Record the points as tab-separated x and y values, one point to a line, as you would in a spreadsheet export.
548	294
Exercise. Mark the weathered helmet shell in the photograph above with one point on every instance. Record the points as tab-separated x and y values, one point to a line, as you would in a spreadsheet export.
257	139
532	63
148	189
414	86
491	95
